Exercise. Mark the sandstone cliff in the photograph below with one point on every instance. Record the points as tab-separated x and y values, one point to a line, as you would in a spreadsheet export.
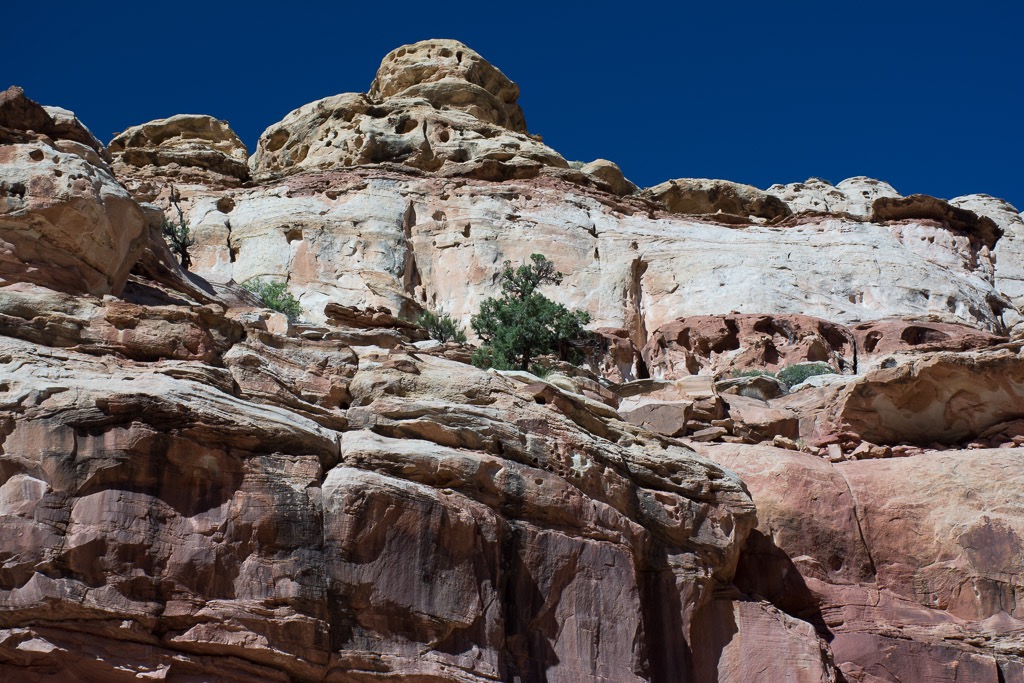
193	487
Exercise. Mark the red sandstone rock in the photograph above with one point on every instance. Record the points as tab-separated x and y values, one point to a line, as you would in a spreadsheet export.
320	512
941	397
882	337
723	344
906	565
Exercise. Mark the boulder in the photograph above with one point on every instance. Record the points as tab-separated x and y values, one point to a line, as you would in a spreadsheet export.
186	148
609	173
66	126
716	197
762	387
65	222
20	115
942	397
861	193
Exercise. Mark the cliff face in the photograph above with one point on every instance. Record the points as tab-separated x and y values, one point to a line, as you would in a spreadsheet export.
193	487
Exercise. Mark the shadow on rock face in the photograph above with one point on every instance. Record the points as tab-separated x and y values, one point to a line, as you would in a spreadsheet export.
767	571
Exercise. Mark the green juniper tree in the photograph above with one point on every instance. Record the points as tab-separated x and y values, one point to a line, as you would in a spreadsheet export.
523	323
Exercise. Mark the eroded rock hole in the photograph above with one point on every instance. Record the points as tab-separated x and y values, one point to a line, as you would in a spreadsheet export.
36	155
406	126
871	340
923	335
277	139
293	234
17	189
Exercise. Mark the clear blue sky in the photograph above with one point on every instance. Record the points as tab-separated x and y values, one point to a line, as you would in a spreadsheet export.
927	96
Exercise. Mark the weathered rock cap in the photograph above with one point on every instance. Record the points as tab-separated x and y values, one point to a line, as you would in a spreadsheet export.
880	337
188	140
853	196
351	130
20	116
702	196
920	206
449	74
609	173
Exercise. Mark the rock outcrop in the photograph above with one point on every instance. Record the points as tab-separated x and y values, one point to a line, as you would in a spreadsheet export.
909	565
1009	249
186	148
194	487
724	200
381	237
450	75
240	515
65	221
434	106
854	196
723	345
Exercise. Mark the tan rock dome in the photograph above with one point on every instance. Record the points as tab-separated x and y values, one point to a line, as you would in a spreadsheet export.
448	73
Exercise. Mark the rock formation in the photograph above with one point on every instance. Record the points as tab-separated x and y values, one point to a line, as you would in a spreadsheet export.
194	487
724	200
64	220
185	148
434	106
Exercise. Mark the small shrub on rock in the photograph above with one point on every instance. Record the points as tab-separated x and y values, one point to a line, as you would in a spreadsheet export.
179	238
753	373
442	327
275	296
795	374
178	234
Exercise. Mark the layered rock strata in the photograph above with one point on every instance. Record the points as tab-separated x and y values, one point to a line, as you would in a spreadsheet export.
196	488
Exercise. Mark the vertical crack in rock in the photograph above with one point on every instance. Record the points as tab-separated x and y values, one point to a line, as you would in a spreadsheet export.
635	322
857	519
232	248
411	280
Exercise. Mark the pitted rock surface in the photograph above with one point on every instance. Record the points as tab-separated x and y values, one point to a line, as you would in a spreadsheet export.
449	74
186	148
